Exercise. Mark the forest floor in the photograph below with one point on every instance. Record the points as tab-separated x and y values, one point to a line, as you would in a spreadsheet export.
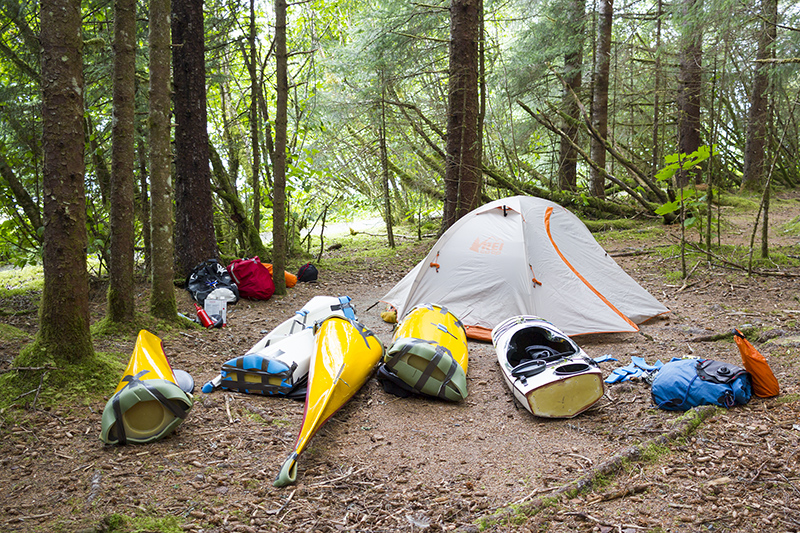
385	464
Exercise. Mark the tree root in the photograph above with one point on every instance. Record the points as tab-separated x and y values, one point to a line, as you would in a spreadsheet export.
683	427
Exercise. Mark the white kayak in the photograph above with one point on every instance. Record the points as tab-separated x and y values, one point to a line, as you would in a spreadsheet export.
278	364
315	310
547	372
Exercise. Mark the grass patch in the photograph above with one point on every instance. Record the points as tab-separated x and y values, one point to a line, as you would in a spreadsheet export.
792	227
643	232
21	280
788	398
360	248
281	422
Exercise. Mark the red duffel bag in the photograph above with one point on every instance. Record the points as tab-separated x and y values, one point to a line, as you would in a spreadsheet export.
252	278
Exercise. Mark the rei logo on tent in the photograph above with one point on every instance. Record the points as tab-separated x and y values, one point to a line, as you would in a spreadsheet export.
489	246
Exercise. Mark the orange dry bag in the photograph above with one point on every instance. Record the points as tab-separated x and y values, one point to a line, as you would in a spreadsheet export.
765	385
291	279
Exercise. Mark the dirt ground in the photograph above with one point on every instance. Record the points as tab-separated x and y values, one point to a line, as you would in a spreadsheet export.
385	464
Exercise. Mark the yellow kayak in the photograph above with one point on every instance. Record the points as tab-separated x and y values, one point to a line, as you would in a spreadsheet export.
149	401
428	355
345	354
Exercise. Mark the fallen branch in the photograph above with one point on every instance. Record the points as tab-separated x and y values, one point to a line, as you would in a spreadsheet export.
721	336
683	427
630	491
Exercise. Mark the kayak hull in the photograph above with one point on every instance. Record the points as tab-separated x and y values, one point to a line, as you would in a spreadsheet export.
428	355
345	354
278	364
547	372
148	403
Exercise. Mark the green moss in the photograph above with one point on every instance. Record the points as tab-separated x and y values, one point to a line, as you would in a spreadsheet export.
76	382
740	200
652	452
10	333
108	328
119	523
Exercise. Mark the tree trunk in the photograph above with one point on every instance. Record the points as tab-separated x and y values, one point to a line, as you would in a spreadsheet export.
279	162
64	310
98	159
22	198
758	117
690	81
255	182
387	201
162	296
194	221
656	165
462	174
573	62
120	288
600	99
144	202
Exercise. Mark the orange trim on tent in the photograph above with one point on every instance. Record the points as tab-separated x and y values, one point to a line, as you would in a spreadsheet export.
589	285
478	333
434	264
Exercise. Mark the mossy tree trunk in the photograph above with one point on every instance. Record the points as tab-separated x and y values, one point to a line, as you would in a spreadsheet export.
573	62
120	289
759	114
64	313
690	80
162	296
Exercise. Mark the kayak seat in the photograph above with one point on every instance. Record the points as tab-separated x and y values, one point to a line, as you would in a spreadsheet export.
538	344
529	368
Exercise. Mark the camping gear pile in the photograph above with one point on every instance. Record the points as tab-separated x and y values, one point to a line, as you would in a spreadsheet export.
521	272
213	286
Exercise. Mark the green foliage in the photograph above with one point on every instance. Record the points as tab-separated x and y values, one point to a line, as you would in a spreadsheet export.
687	200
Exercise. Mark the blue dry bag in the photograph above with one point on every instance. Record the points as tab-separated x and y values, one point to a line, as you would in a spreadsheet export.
686	383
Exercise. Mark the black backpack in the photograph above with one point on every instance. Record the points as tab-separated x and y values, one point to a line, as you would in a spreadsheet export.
209	276
307	272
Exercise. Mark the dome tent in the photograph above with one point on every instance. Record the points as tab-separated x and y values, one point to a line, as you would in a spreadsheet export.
525	256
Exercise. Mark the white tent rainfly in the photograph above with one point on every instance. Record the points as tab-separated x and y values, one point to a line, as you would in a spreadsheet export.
525	256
